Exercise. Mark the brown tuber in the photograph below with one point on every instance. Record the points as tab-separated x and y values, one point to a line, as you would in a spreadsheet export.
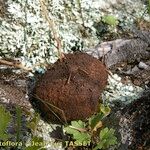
71	88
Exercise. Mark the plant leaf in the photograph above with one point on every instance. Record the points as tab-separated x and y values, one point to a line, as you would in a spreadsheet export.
105	110
95	119
75	126
34	122
110	20
5	118
98	125
78	124
81	138
18	122
107	139
80	135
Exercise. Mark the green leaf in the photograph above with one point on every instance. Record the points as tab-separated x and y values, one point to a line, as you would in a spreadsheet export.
94	120
5	119
148	7
70	130
105	110
75	126
78	124
36	143
34	122
107	139
80	135
18	122
110	20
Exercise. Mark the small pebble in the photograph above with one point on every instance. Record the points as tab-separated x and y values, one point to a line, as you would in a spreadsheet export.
135	69
142	65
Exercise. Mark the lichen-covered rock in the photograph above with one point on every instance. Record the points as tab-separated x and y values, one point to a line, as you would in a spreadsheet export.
135	123
71	88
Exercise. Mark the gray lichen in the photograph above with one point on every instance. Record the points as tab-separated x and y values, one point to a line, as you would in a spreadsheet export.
27	35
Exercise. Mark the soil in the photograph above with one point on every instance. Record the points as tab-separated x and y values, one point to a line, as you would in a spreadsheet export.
71	88
13	88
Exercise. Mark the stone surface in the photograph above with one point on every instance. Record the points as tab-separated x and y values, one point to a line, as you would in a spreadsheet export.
142	65
135	123
71	88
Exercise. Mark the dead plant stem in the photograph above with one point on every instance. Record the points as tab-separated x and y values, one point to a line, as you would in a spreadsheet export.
52	26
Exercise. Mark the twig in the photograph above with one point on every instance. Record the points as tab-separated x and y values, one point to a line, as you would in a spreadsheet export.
14	64
81	13
51	26
68	80
79	129
49	106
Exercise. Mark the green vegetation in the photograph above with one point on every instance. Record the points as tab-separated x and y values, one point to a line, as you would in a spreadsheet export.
110	20
148	6
15	140
86	133
92	133
5	119
107	138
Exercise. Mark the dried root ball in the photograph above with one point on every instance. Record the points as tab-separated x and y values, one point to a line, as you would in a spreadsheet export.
71	88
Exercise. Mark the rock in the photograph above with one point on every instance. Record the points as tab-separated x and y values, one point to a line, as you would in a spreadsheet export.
71	88
135	69
142	65
135	123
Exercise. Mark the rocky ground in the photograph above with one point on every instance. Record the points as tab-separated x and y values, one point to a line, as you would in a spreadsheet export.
130	113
